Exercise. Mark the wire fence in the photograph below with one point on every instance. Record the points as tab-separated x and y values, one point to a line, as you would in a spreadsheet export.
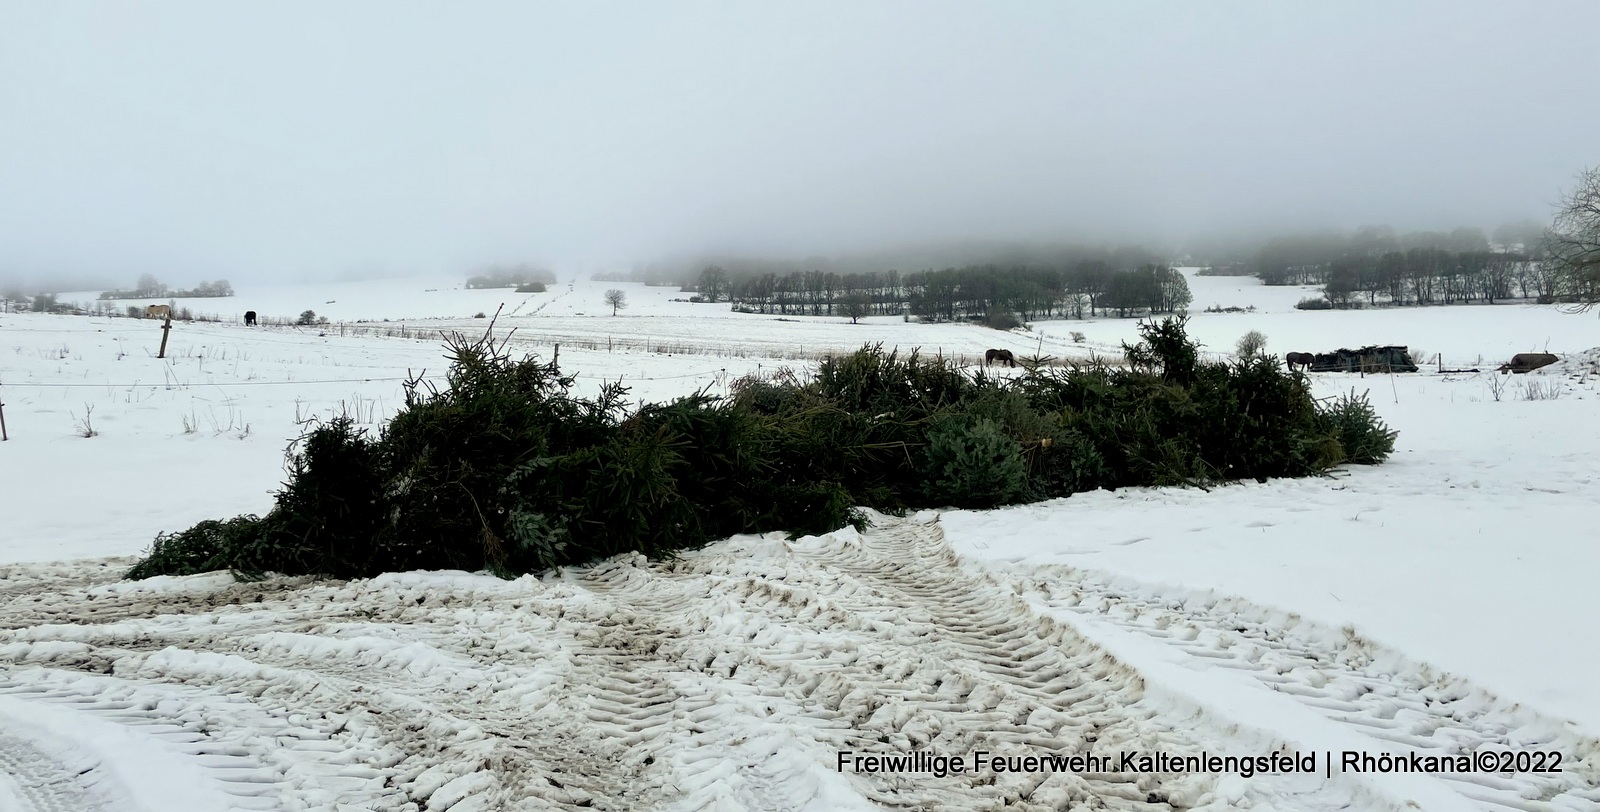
708	373
1069	355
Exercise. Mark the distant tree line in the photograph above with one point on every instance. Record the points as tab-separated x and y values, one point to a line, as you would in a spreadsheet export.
1424	276
1089	287
1375	266
149	287
526	278
52	303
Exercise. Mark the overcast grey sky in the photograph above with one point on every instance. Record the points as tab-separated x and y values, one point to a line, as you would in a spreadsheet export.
212	139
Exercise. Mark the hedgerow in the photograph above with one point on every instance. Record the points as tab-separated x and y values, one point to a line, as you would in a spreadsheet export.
505	468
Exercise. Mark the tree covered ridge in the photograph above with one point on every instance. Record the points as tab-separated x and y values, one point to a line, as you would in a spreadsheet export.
1089	287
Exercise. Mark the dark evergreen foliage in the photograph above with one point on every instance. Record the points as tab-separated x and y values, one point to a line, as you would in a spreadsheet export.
1363	437
504	468
208	546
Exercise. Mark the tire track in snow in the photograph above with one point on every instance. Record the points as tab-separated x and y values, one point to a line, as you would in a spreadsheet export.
1398	705
728	678
86	596
40	583
32	780
432	673
160	747
404	660
891	647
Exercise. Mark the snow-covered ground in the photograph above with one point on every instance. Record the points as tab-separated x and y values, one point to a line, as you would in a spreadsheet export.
370	300
1442	603
1465	335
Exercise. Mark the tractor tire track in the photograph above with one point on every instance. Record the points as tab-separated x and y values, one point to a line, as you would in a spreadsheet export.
32	780
730	677
155	747
891	647
1402	706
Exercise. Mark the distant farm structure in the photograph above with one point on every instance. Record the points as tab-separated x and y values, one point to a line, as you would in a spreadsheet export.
1366	359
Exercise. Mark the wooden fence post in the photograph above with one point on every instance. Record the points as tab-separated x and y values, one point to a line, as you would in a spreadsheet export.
3	435
166	330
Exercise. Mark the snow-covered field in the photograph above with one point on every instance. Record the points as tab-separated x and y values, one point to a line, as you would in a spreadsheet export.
1442	603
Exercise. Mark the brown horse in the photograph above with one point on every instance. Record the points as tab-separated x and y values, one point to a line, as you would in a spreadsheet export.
999	355
1303	360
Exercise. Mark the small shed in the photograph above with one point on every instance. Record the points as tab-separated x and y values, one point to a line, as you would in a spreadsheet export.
1366	359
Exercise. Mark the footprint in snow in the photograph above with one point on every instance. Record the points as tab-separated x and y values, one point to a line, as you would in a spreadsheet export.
1130	541
1259	523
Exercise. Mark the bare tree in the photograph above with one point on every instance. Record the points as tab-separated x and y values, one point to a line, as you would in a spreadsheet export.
713	284
857	305
1251	344
1572	243
617	299
149	286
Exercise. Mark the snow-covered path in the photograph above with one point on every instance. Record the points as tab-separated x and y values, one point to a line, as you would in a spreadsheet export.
729	679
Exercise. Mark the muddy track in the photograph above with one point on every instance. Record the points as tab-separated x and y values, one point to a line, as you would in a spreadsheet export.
98	595
729	678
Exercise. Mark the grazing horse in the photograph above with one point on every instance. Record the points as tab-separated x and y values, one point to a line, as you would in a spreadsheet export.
999	355
249	318
1303	360
158	312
